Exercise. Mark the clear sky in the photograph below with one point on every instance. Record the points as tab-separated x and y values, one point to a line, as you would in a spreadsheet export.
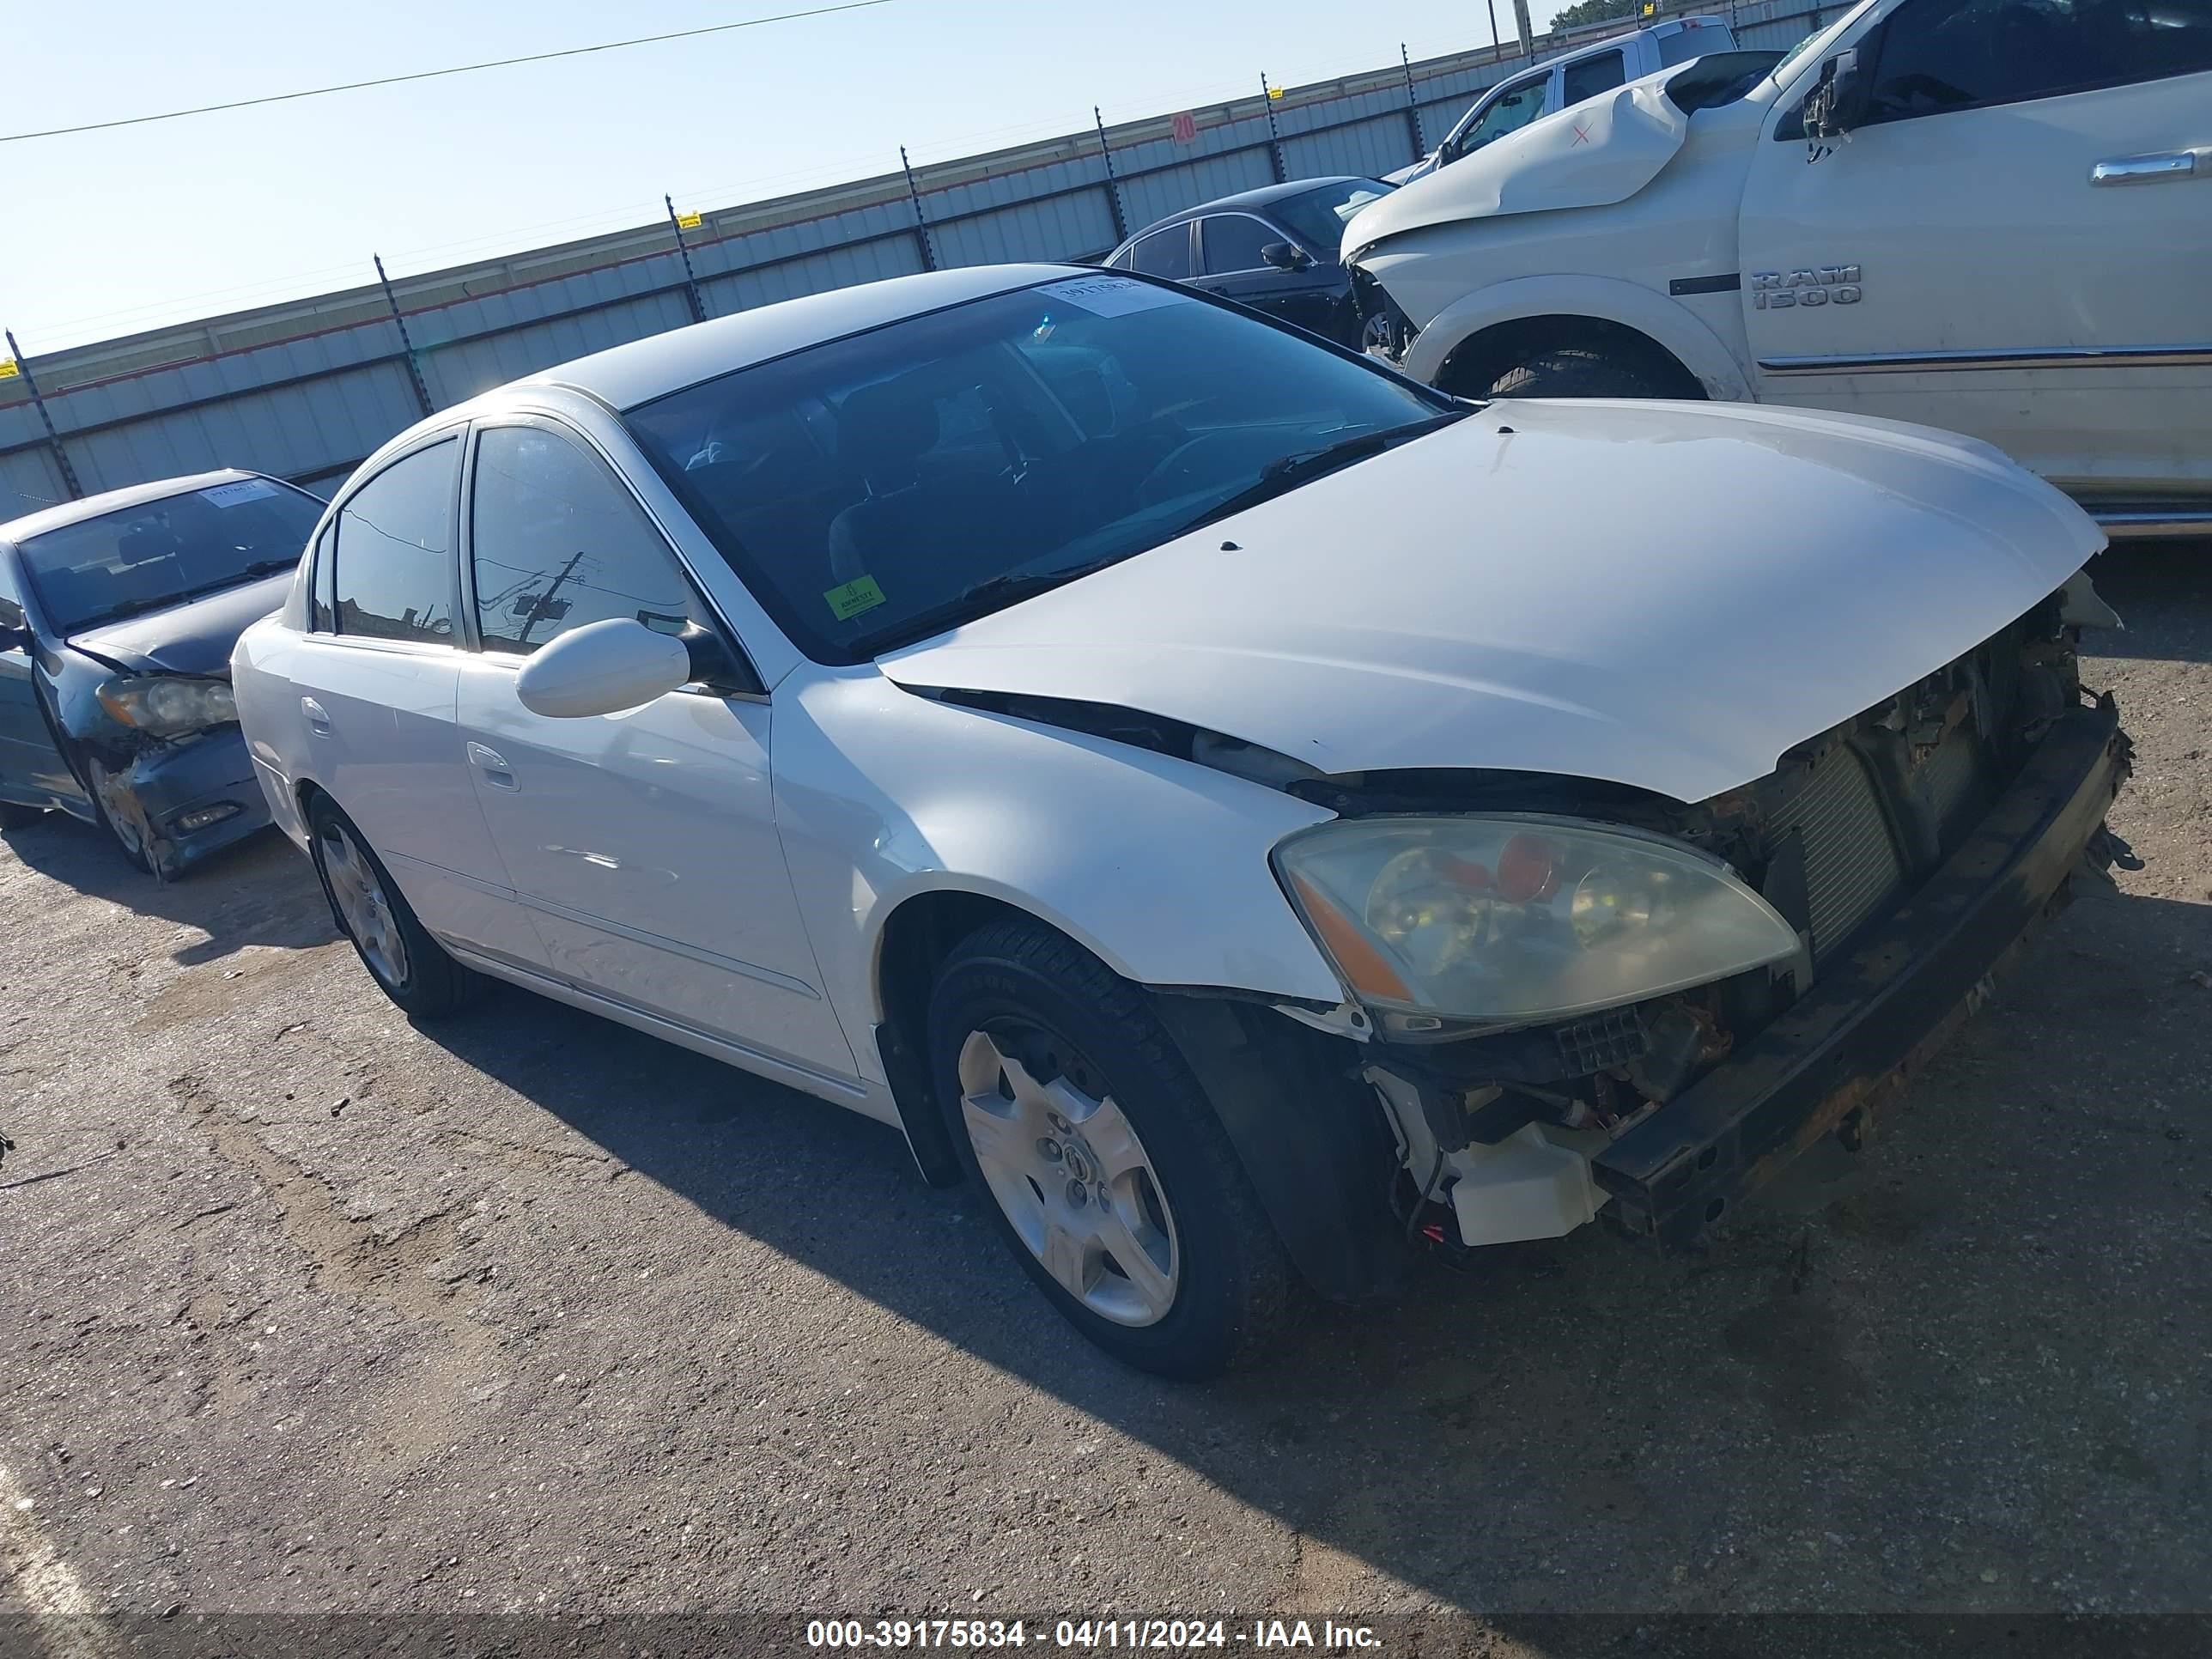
104	234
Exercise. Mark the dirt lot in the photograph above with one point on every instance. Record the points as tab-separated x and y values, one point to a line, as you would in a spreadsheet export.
305	1310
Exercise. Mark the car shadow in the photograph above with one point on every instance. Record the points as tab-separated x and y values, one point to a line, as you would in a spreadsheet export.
1886	1351
256	891
2163	592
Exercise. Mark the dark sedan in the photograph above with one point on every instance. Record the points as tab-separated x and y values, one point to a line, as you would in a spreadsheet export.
1273	249
117	618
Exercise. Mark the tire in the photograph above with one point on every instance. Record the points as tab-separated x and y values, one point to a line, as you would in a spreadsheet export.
13	817
1586	371
1214	1283
410	967
127	830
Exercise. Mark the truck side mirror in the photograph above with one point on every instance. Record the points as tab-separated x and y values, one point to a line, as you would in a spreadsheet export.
1838	102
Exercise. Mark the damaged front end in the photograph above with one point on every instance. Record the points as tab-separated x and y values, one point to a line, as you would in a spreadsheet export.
165	767
1908	849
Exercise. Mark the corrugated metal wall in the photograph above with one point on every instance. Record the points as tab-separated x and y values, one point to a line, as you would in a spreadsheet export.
305	389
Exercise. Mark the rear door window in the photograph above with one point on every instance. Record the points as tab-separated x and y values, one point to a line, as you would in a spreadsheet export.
393	577
1591	76
1163	253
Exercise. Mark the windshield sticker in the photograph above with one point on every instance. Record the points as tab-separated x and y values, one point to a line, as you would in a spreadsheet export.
1112	296
859	594
237	494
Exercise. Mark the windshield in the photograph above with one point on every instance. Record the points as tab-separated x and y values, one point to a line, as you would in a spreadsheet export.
162	552
868	490
1318	217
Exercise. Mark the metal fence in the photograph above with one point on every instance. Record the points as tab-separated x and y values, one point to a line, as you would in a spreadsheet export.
305	390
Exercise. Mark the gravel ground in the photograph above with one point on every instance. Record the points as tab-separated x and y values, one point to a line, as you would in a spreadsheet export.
306	1310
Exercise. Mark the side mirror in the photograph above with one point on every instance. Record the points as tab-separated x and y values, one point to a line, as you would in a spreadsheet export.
1838	102
603	668
15	627
1285	256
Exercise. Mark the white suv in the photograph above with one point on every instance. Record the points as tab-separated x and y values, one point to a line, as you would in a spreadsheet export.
2001	224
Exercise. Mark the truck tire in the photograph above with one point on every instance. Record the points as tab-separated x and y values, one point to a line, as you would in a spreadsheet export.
1589	372
1074	1113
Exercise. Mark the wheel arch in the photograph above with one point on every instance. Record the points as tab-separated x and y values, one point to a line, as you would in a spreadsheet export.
1509	311
918	932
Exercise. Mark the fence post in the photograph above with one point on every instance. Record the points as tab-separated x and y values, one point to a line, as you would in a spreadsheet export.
53	438
406	342
1496	45
1520	22
690	277
1413	105
921	221
1113	185
1274	138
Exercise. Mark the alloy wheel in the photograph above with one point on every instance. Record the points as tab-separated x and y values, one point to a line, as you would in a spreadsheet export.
363	908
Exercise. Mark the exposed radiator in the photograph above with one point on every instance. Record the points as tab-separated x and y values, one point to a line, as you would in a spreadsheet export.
1851	863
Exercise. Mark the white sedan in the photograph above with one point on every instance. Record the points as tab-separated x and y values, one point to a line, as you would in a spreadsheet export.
1260	817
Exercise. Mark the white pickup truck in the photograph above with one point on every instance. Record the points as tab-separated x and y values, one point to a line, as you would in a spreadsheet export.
2000	223
1568	78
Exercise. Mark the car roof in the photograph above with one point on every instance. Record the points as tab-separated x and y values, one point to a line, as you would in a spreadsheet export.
1263	196
641	370
112	500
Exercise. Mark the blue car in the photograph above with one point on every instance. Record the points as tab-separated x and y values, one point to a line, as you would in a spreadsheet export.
117	618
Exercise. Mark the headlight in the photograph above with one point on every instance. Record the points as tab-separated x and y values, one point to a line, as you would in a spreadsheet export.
1505	921
163	707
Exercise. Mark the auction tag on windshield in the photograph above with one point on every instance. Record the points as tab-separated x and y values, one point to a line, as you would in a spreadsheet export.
858	595
237	494
1112	296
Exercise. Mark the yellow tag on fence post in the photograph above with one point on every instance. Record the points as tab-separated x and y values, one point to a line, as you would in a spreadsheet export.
8	370
687	222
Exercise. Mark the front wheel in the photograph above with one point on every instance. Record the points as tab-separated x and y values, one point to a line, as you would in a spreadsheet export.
410	967
1590	372
1111	1180
124	819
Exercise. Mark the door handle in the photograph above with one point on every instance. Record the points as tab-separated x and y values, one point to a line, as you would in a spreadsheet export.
318	718
493	765
2169	167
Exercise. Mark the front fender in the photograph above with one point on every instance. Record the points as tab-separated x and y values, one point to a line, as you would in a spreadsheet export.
1608	299
1157	866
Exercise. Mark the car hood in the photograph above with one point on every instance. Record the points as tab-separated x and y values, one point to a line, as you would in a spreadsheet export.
192	638
1666	595
1602	150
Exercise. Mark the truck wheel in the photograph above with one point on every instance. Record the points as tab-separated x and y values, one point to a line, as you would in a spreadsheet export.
412	969
1584	372
1111	1180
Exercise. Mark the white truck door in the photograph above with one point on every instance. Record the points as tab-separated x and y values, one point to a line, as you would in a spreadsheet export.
2012	242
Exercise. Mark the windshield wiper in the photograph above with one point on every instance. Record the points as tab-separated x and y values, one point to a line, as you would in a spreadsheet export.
992	594
1286	473
133	607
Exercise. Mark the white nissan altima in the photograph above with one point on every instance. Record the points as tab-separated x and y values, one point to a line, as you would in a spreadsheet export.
1261	819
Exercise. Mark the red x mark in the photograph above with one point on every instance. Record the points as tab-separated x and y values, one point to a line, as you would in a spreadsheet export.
1582	135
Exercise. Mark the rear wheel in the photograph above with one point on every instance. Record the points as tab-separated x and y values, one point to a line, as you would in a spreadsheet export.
412	967
1111	1180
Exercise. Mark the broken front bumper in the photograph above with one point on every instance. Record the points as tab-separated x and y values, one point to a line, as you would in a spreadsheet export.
193	797
1842	1051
